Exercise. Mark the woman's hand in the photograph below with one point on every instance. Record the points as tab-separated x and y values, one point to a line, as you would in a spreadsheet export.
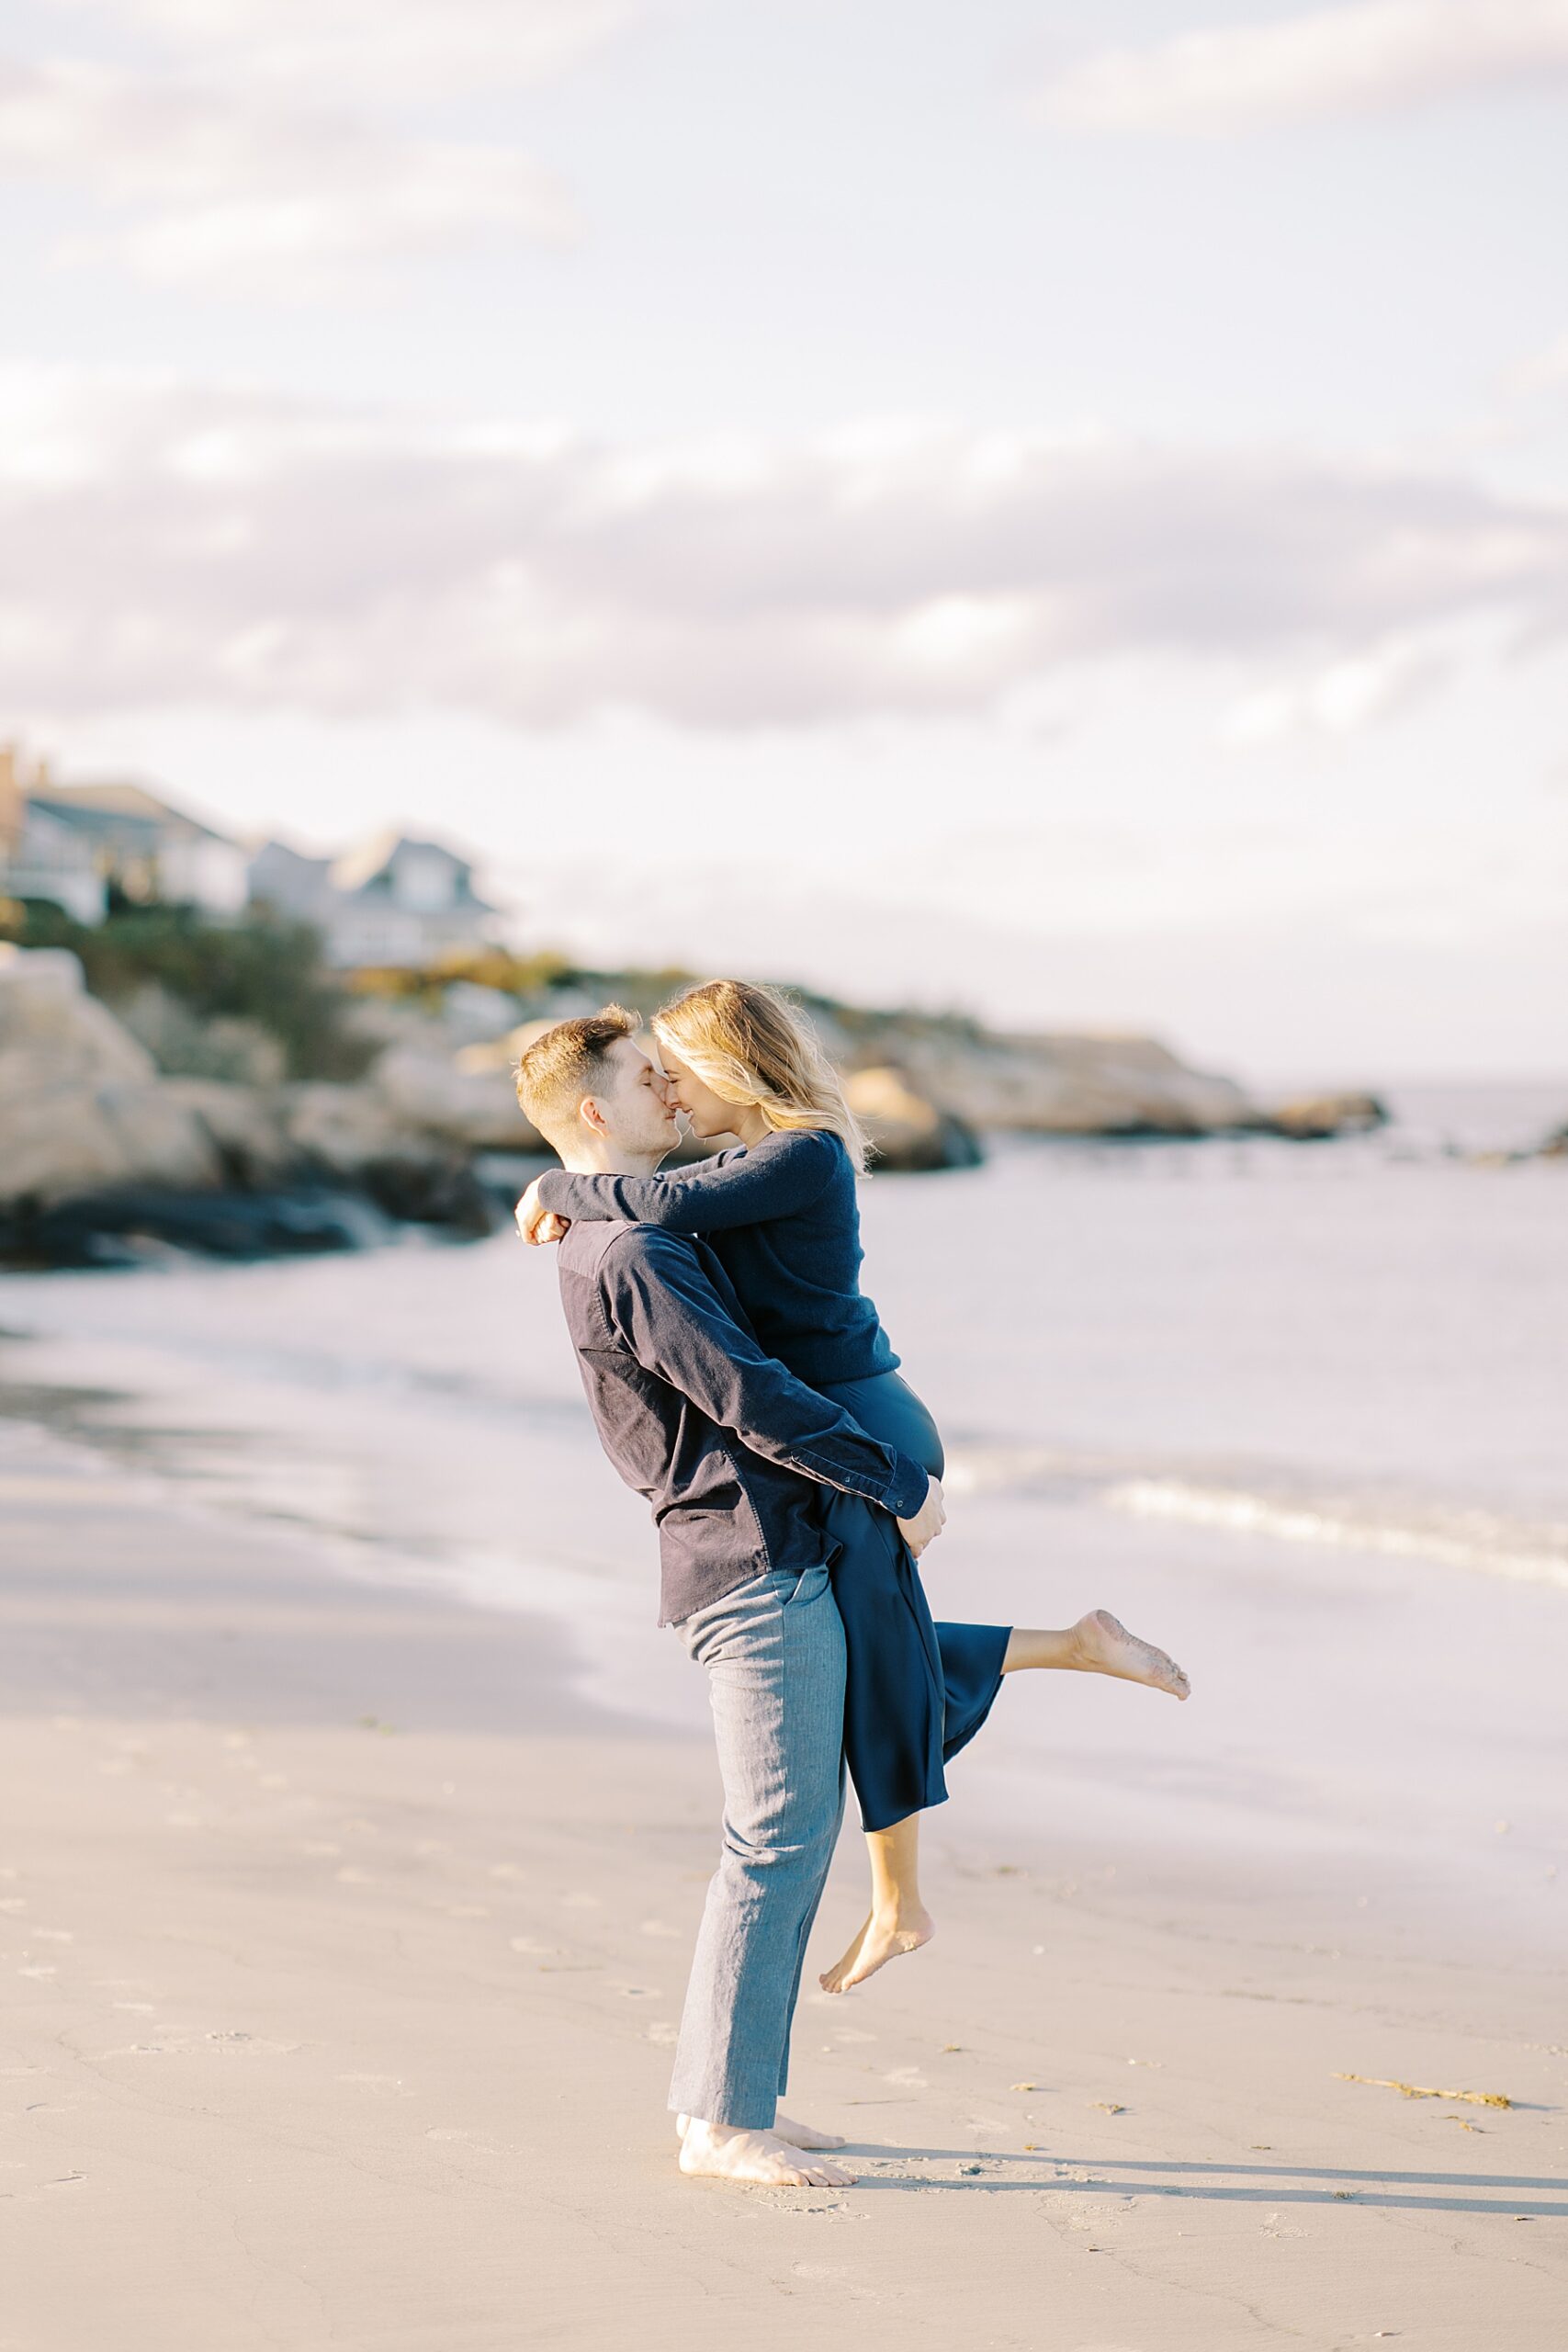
536	1223
928	1521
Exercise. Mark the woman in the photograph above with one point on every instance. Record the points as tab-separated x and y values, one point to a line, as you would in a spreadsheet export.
781	1213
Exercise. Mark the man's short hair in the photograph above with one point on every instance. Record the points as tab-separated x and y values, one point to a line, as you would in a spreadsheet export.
567	1062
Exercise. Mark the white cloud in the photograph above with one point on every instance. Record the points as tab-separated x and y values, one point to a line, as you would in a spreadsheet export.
376	49
1545	372
1342	699
1374	56
170	546
202	184
274	149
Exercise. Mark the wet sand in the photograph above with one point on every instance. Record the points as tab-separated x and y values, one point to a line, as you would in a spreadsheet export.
344	1952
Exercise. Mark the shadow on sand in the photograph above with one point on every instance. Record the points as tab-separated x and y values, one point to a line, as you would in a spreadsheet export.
1514	2196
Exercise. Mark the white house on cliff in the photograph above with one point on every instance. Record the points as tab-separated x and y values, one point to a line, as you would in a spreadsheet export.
69	843
393	900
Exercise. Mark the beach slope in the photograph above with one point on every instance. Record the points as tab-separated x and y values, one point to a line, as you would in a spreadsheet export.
344	1954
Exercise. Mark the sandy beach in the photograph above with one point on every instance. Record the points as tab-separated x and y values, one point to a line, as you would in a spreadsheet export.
344	1953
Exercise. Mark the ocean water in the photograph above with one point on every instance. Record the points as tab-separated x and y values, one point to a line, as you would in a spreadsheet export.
1296	1412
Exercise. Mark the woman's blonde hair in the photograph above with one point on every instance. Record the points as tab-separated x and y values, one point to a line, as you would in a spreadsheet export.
756	1049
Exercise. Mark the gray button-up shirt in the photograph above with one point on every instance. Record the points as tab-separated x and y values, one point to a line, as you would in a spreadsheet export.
727	1446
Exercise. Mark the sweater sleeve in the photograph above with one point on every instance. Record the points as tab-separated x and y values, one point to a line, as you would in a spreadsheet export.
775	1178
668	1313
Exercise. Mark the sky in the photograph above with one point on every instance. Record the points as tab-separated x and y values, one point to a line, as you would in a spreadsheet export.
1058	511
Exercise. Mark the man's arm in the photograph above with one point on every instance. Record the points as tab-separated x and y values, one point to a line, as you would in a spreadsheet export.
669	1314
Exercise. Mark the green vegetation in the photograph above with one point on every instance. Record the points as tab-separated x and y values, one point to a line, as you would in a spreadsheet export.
425	985
254	968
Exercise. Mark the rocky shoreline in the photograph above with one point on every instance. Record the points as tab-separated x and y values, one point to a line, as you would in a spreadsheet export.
105	1156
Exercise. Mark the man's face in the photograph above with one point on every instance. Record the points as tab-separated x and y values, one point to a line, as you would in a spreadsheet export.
636	1102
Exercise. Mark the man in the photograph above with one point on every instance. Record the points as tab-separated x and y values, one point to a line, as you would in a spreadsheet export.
733	1453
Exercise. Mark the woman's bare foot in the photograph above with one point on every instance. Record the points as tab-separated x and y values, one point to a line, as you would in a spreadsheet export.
716	2153
796	2135
1105	1646
879	1941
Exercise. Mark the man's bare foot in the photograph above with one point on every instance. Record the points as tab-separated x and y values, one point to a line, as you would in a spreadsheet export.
796	2135
714	2151
879	1941
1105	1646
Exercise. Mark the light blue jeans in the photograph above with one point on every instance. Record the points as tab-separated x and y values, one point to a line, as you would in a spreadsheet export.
775	1653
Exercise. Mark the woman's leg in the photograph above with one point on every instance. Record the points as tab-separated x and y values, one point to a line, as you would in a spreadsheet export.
1097	1644
899	1921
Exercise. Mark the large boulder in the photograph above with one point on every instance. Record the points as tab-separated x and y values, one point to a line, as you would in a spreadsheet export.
53	1033
906	1131
81	1105
248	1127
354	1134
1312	1118
81	1137
345	1129
465	1100
186	1045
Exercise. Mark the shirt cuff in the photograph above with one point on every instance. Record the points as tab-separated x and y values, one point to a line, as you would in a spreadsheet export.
551	1181
907	1488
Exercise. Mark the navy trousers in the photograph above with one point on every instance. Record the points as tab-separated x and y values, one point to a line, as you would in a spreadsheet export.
915	1692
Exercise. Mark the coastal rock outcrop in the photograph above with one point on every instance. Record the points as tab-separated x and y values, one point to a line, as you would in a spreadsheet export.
1054	1084
189	1131
466	1098
908	1131
1312	1118
80	1103
98	1149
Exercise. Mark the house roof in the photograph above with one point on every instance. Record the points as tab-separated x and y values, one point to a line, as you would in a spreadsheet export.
123	804
362	864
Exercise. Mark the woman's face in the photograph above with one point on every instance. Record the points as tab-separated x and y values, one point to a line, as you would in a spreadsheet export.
709	1112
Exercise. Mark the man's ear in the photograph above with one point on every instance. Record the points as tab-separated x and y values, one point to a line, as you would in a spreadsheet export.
592	1116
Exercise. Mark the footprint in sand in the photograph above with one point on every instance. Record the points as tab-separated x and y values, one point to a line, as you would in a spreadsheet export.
575	1901
392	2085
658	1928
